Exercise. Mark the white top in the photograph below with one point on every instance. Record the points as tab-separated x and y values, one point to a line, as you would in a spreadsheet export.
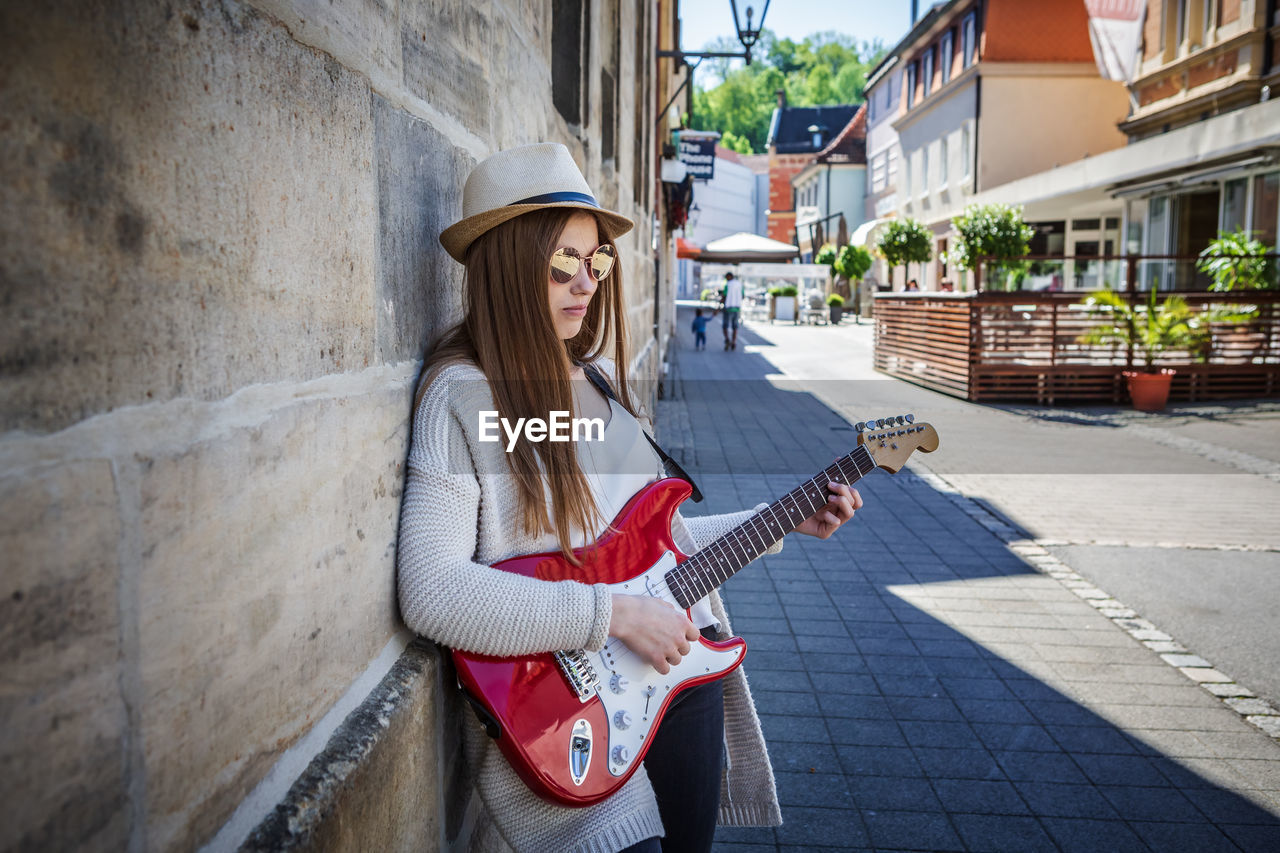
616	469
733	293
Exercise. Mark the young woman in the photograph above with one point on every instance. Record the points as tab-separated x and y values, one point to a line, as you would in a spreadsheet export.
543	302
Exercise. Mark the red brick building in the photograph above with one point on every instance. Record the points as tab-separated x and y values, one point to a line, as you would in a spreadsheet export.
796	135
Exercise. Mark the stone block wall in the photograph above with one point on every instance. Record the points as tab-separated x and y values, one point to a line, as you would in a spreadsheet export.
218	272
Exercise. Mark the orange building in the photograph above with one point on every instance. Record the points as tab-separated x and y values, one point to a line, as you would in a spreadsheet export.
1201	58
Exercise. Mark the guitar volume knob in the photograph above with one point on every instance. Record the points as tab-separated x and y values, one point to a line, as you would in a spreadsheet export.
621	755
619	683
622	719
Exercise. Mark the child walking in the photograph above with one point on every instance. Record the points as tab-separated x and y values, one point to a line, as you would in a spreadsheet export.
700	329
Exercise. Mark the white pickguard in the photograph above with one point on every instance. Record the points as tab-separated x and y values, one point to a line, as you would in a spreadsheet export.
645	689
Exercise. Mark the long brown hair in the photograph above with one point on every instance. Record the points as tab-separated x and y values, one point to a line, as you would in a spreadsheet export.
509	334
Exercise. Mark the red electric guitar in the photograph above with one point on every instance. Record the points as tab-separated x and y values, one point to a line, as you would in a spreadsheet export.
575	724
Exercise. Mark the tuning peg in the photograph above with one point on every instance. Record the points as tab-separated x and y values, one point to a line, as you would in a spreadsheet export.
879	423
900	420
911	419
860	426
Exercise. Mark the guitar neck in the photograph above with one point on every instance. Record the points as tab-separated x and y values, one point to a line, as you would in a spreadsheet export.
722	559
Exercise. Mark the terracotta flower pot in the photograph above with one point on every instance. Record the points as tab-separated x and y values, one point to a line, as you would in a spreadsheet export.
1149	391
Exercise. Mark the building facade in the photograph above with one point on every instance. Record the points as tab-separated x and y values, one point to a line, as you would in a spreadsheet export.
980	93
1203	155
221	272
831	186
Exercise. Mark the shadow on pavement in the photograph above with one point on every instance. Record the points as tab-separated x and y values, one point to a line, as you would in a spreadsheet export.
892	729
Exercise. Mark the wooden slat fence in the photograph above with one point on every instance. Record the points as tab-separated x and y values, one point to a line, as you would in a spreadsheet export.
1024	347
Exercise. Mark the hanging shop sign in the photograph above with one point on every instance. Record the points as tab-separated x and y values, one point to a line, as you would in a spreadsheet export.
698	153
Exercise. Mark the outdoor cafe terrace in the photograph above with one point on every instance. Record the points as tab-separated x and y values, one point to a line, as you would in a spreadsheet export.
1024	345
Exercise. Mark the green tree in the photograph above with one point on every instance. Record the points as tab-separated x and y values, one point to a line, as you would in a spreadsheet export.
995	232
824	68
853	262
905	241
734	142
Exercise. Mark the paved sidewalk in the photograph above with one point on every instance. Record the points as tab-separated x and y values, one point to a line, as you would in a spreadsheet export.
922	685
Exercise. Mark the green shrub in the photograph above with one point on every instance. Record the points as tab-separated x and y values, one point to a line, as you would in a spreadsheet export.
785	290
835	299
1221	260
826	255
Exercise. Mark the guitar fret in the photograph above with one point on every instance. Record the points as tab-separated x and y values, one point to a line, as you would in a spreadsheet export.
721	559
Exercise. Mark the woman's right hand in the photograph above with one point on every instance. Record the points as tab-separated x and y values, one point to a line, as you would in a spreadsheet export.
655	630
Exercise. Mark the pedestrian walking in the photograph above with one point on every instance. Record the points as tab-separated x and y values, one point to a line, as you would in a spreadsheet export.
543	301
731	301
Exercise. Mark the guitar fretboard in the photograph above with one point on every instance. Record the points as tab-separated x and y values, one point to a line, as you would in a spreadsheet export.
722	559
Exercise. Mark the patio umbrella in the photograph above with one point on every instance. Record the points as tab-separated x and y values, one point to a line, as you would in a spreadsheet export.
842	232
818	238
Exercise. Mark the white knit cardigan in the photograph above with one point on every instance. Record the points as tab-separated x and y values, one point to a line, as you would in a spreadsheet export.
460	515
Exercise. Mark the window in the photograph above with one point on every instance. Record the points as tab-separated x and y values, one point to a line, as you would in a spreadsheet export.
942	162
1233	204
911	85
566	59
969	37
926	72
1182	21
965	155
879	165
895	89
1266	207
892	170
924	170
945	51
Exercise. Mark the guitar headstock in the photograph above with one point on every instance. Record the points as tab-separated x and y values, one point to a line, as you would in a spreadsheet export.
891	441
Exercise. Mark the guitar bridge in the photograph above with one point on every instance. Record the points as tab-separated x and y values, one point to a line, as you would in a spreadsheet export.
579	673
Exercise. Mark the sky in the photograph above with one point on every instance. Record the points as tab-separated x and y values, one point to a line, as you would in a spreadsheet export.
864	20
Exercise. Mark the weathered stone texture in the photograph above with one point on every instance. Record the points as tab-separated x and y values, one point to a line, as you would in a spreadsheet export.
374	787
189	207
451	72
420	177
260	604
62	742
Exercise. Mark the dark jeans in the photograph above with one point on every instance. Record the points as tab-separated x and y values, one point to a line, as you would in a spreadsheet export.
684	766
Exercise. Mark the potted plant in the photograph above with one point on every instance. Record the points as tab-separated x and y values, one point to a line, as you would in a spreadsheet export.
1149	330
835	305
1236	262
996	232
905	241
782	302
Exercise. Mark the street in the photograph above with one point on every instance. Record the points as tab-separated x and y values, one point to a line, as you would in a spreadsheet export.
976	662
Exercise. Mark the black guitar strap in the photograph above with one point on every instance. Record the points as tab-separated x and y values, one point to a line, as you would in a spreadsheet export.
673	467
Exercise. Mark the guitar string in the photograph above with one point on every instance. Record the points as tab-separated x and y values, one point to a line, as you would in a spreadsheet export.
685	572
734	535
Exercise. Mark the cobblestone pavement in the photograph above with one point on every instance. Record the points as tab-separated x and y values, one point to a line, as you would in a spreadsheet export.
931	678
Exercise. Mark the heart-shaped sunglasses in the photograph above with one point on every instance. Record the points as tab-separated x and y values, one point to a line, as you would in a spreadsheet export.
565	262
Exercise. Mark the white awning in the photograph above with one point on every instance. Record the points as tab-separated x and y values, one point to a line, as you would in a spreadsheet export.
862	235
743	242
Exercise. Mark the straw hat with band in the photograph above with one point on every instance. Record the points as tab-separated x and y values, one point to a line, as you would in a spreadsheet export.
519	180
